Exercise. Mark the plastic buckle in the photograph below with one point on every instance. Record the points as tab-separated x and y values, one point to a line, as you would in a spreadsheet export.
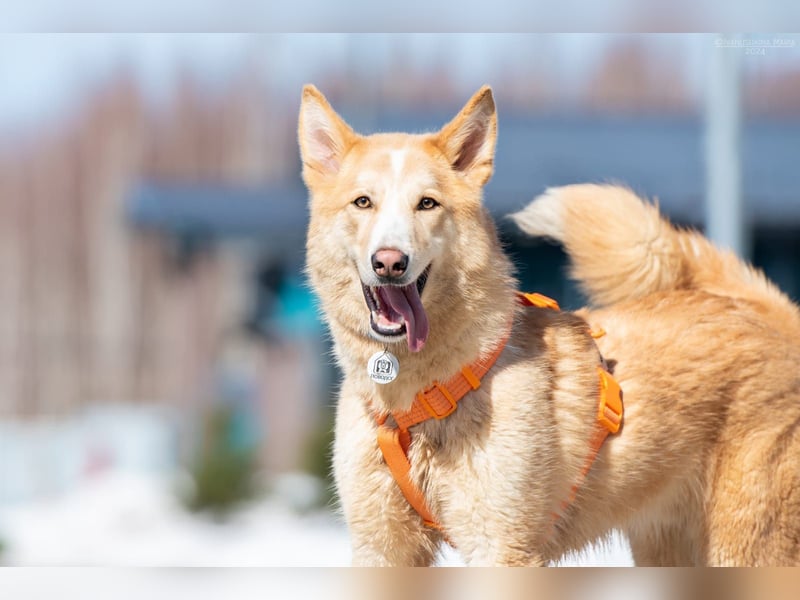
472	379
447	396
610	411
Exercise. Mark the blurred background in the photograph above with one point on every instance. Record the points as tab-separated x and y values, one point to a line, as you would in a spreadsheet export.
166	387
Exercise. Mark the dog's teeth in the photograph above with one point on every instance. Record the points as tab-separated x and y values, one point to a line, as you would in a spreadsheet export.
384	324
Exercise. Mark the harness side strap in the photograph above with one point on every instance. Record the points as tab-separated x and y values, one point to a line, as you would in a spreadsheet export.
397	461
609	418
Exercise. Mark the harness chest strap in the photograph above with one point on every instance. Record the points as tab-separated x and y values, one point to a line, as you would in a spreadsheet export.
434	402
440	400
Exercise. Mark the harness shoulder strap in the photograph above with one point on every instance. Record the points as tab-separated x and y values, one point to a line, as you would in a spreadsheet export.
440	400
396	459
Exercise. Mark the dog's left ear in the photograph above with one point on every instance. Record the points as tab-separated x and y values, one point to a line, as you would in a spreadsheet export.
468	141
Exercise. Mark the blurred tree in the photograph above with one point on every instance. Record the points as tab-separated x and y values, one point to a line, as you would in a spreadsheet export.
224	469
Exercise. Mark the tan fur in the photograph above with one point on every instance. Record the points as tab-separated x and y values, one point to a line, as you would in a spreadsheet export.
706	468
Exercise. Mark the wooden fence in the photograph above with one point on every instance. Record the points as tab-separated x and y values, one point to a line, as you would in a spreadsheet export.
90	310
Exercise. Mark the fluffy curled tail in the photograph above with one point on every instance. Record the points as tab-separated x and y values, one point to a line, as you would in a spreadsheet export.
621	248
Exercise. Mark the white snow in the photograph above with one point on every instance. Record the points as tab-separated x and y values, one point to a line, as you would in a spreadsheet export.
124	519
132	520
103	487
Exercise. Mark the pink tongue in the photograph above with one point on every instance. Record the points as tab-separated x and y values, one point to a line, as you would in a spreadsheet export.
405	300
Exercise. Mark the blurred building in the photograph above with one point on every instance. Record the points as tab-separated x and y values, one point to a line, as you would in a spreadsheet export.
151	253
95	312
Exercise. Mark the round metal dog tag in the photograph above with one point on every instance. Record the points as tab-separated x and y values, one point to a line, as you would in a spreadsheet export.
383	367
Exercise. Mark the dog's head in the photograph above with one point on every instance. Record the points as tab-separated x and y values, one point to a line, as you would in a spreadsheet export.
388	211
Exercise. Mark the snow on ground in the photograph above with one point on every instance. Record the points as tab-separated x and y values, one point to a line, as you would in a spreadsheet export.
128	519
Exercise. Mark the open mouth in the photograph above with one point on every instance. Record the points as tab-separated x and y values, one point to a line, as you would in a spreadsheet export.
397	310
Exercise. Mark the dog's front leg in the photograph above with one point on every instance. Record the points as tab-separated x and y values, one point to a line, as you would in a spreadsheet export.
501	548
384	529
386	541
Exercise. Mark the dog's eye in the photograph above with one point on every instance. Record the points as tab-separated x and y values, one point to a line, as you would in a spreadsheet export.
362	202
427	203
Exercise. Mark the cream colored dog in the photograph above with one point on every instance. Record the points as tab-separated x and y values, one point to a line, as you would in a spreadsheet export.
706	467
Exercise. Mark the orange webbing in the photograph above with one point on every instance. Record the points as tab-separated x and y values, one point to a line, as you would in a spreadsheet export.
538	300
609	419
436	401
397	461
440	399
599	437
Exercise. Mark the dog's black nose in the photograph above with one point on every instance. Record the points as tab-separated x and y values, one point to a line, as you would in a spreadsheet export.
389	262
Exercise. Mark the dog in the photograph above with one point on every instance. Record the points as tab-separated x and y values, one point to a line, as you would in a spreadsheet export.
409	272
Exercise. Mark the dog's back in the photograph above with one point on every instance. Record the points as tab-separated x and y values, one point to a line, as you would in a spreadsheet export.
707	355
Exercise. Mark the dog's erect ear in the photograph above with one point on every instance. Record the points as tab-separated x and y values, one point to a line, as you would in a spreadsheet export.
468	140
324	137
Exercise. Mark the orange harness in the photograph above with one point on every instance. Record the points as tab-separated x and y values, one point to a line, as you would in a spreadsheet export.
440	400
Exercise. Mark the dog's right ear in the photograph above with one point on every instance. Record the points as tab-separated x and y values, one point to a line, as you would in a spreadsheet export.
324	137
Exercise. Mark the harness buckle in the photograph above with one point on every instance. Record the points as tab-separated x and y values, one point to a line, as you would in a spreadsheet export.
609	412
446	395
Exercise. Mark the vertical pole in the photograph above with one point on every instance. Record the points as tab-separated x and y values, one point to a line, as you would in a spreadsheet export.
724	207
